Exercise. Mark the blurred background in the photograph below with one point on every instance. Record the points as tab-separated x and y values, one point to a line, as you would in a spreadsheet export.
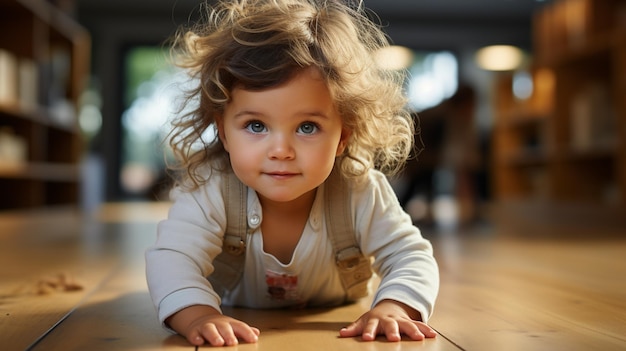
520	104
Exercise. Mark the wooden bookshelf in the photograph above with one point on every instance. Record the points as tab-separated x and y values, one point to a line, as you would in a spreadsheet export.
44	57
567	142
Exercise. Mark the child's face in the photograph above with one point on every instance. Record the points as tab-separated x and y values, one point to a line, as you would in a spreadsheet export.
283	141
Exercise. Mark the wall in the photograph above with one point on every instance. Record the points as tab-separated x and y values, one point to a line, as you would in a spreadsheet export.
114	29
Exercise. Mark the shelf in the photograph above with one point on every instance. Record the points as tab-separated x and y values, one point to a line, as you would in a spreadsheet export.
600	45
54	18
46	54
38	115
526	158
53	172
593	153
521	118
567	146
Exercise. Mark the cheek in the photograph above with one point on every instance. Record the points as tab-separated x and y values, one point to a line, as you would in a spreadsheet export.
242	165
242	155
322	159
237	154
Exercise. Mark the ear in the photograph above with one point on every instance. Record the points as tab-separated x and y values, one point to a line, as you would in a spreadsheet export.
219	122
343	141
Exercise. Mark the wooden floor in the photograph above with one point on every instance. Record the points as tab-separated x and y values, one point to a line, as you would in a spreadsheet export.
70	282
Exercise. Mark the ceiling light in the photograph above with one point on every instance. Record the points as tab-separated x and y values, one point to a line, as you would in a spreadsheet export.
499	58
394	57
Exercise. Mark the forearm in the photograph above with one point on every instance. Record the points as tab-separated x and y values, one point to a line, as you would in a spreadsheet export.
413	280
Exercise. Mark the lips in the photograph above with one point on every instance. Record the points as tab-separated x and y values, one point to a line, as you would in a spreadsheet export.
281	174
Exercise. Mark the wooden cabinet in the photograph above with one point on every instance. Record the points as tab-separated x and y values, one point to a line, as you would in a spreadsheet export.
566	143
44	63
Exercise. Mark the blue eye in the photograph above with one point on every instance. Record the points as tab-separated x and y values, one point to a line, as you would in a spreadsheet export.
307	128
255	127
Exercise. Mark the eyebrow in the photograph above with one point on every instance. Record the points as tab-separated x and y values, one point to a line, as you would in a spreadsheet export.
246	113
312	113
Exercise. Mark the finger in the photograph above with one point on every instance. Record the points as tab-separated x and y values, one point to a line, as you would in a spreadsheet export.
391	329
370	330
352	330
228	334
426	330
195	338
416	330
246	333
210	333
411	330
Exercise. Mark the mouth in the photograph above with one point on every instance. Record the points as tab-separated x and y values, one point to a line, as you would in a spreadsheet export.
281	174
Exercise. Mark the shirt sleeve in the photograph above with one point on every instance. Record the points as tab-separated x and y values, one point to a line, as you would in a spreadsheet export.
402	257
187	242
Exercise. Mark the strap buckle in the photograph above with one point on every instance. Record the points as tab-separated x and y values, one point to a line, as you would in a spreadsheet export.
349	258
234	245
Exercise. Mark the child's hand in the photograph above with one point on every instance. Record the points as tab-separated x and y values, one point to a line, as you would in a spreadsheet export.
203	323
392	319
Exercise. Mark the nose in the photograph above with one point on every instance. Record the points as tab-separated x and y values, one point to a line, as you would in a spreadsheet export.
281	147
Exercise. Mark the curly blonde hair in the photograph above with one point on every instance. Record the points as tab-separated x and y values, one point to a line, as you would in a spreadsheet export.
260	44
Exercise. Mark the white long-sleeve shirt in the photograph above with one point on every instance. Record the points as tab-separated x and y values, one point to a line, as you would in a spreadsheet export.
191	237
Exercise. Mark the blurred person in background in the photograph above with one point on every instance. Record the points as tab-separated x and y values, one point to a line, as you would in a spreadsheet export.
446	161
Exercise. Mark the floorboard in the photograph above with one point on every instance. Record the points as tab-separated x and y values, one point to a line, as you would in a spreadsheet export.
500	290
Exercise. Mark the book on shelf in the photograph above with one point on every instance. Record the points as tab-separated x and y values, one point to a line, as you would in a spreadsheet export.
27	83
19	82
571	25
8	82
576	22
593	119
13	149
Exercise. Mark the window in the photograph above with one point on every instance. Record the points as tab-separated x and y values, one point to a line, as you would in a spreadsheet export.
433	77
153	91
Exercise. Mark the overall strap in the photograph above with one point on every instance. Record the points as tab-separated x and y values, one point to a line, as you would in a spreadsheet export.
229	264
354	268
